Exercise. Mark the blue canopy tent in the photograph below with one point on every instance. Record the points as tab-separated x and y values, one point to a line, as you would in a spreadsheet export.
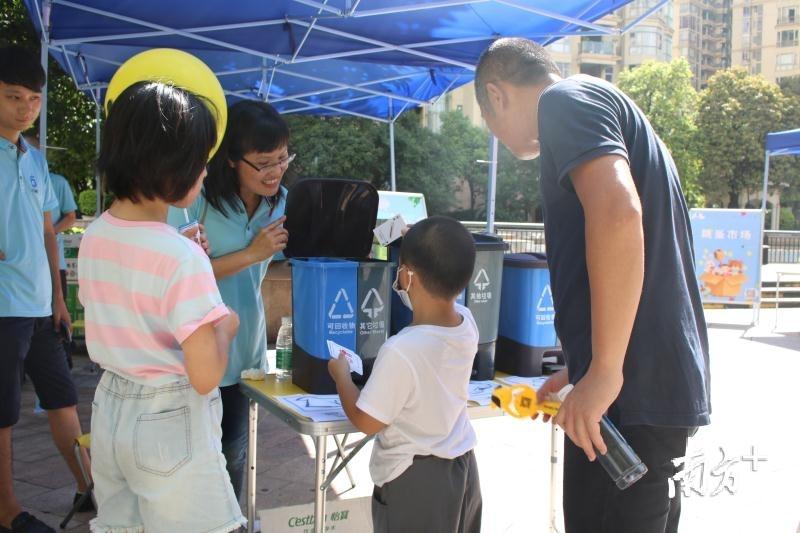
367	58
778	144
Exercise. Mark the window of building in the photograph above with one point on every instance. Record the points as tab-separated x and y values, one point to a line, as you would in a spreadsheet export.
646	41
560	46
788	15
564	68
786	61
788	38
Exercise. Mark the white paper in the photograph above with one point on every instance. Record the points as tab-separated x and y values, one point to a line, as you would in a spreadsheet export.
535	382
480	392
356	365
319	408
391	230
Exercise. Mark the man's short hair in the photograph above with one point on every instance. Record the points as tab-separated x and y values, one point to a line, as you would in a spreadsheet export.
513	60
442	251
19	66
156	141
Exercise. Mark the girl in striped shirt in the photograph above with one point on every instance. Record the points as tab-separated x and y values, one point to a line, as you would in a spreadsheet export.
156	324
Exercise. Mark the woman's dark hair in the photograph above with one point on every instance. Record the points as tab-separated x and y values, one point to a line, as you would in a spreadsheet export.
252	127
20	66
443	252
156	141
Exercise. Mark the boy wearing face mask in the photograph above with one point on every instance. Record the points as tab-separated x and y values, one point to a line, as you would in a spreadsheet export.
423	466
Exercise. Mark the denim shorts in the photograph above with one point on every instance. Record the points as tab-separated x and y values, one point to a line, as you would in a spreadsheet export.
157	461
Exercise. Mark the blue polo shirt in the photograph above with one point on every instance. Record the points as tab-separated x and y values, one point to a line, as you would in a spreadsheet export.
66	204
666	369
242	291
25	285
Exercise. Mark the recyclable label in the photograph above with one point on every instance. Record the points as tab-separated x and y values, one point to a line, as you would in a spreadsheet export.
545	312
341	314
482	292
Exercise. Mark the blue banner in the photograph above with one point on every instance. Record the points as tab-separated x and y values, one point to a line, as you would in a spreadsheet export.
727	252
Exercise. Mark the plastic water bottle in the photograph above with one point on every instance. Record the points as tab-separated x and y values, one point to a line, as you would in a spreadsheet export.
283	349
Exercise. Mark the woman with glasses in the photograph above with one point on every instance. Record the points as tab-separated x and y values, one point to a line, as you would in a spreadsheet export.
242	208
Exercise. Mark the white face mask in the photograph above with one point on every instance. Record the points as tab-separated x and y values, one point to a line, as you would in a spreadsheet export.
403	293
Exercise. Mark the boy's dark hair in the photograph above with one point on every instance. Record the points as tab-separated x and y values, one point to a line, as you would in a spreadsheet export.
252	127
19	66
514	60
443	252
156	141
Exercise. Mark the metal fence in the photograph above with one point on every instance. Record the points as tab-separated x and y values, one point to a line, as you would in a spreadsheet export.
782	246
521	237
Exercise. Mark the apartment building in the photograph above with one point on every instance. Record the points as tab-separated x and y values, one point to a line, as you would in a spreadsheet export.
603	56
766	37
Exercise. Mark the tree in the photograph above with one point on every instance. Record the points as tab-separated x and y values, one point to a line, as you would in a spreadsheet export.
664	92
518	196
737	110
71	117
464	145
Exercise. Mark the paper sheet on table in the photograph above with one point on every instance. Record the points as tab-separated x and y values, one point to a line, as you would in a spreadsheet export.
356	365
317	407
535	382
480	392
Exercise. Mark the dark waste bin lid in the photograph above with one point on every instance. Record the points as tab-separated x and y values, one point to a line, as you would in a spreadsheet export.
489	242
330	217
525	260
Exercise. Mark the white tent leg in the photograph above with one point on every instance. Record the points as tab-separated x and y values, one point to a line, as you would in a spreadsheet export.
43	111
392	170
97	184
491	190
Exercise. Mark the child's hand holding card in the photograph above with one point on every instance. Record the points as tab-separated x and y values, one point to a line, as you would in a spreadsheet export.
336	350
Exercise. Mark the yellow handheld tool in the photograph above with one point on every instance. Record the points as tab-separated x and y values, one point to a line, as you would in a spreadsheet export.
620	461
520	401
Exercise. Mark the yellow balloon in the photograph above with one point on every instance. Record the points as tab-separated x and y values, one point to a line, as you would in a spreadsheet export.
173	67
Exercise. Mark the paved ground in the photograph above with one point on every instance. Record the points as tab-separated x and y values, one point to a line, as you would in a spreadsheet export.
755	400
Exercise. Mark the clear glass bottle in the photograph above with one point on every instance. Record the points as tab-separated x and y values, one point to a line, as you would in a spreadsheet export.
283	350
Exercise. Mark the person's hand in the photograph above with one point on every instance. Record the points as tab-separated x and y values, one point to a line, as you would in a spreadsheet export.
554	384
585	405
202	240
339	369
269	241
229	325
2	255
405	230
60	314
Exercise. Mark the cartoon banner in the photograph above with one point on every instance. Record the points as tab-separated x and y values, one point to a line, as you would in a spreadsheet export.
727	251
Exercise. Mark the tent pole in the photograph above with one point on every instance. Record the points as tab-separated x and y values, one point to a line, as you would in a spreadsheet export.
492	188
757	306
97	185
44	54
392	169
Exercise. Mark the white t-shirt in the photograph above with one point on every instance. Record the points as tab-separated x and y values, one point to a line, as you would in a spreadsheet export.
419	389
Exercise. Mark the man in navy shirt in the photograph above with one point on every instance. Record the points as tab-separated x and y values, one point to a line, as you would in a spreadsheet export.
628	308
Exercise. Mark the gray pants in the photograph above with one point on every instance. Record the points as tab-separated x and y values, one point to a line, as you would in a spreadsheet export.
432	495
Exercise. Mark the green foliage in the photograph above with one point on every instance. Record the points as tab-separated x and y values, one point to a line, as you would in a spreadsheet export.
788	220
87	202
736	112
70	114
664	92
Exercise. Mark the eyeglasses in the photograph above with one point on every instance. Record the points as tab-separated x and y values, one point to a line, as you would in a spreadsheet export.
285	161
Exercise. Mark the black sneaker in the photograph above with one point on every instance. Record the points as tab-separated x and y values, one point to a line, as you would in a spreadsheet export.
27	523
87	505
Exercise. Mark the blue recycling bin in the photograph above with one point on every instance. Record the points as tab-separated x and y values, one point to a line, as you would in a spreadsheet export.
338	293
527	329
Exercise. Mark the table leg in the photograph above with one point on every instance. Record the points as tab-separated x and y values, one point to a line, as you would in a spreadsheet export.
553	471
777	300
252	434
340	446
320	443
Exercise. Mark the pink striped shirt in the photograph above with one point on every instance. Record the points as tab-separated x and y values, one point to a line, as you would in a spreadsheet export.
145	289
